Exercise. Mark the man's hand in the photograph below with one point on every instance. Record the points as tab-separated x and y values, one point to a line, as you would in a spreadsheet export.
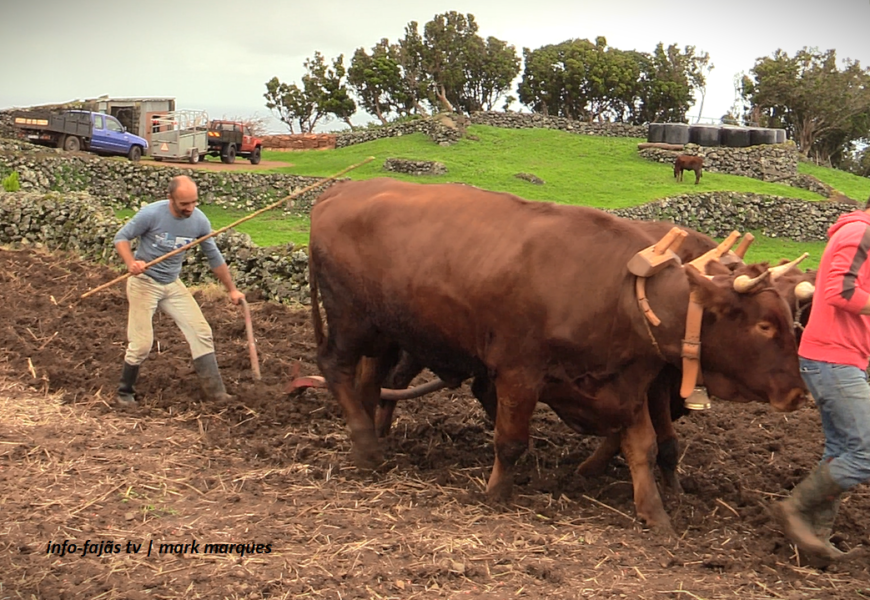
236	296
137	267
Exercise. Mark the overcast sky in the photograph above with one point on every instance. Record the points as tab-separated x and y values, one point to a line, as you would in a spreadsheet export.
217	55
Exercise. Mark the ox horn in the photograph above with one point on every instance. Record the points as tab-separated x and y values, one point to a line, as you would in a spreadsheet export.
804	291
744	283
777	272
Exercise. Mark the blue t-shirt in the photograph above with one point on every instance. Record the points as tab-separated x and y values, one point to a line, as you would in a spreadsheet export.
159	232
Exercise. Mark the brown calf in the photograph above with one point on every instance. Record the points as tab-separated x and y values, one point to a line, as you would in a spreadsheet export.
688	163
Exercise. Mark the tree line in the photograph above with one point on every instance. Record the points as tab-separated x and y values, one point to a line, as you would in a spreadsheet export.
448	66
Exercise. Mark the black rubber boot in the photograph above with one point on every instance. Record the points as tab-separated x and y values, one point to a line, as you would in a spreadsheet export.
126	392
798	515
210	377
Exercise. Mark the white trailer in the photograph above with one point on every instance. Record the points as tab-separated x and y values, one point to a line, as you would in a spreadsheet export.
180	135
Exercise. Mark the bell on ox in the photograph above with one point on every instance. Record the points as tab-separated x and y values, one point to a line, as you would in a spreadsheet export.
698	399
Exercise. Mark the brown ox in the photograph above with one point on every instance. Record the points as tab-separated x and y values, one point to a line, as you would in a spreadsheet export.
537	298
684	162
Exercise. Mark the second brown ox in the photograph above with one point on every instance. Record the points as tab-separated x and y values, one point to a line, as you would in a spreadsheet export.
535	297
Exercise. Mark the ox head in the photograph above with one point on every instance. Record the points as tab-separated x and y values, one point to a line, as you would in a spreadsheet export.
749	352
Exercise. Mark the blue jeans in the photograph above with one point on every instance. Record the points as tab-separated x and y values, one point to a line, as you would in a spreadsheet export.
843	397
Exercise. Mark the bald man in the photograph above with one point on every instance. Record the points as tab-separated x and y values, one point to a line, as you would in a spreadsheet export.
162	227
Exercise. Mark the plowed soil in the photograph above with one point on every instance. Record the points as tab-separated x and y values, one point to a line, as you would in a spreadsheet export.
270	471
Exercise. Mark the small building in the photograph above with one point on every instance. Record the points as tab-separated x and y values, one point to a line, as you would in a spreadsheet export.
136	114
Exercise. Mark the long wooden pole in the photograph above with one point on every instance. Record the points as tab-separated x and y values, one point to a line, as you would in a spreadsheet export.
231	225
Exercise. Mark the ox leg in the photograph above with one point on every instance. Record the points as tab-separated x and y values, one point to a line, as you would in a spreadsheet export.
697	176
398	379
483	389
596	465
516	403
352	379
639	450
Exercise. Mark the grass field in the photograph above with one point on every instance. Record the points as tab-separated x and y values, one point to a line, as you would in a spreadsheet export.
577	169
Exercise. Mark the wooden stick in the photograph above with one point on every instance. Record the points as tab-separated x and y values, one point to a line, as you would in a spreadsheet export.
252	345
231	225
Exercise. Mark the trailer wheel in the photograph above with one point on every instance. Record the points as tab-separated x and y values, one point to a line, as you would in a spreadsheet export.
158	158
72	144
228	155
255	156
135	153
194	156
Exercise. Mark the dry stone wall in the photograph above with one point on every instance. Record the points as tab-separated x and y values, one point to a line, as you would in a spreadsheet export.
513	120
122	183
414	167
78	223
768	162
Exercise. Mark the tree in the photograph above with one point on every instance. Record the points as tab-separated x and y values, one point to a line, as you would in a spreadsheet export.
445	46
415	80
671	78
377	80
489	68
825	109
292	105
323	93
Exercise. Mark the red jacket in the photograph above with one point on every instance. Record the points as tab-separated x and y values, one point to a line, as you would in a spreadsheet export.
836	331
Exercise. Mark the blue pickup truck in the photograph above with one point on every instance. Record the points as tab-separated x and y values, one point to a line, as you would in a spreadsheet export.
74	130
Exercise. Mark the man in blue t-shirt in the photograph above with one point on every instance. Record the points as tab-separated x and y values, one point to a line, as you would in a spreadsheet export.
162	227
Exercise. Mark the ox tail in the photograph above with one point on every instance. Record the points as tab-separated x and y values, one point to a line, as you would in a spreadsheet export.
316	319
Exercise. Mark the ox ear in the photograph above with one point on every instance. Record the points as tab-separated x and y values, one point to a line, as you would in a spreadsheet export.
715	298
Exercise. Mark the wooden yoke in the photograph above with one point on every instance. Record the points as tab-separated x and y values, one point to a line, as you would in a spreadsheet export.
716	253
650	261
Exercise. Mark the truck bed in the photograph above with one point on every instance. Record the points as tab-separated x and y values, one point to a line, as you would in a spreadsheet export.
77	124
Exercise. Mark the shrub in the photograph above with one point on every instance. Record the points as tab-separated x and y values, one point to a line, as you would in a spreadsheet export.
10	183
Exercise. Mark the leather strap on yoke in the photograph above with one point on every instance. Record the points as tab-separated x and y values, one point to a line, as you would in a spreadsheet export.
691	351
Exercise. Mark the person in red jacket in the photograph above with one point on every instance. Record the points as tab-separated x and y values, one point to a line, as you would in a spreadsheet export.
834	353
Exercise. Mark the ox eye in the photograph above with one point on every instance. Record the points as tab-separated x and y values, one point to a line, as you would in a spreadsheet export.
765	328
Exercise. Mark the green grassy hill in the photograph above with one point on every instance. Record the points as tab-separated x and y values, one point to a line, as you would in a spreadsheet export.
577	169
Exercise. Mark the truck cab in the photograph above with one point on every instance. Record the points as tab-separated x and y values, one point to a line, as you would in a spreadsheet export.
108	136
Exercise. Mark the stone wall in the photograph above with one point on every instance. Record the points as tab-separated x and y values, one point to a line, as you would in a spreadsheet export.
438	132
513	120
122	183
448	129
719	213
79	223
299	141
414	167
769	162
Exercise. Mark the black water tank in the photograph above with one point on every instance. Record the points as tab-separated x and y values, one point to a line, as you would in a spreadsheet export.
762	135
656	133
734	137
676	133
780	136
704	135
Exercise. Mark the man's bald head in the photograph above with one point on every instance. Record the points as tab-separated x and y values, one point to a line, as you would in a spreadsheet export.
182	196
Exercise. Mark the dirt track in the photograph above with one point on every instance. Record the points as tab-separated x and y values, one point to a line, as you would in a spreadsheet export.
214	164
267	468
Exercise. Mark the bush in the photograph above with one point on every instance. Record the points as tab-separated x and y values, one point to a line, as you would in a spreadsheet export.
11	184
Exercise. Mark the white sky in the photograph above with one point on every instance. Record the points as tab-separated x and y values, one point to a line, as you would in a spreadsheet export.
217	55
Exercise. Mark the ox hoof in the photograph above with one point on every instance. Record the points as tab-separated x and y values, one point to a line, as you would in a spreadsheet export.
591	468
366	460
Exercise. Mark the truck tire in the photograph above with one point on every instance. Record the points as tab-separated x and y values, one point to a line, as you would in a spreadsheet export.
72	144
135	153
228	156
255	156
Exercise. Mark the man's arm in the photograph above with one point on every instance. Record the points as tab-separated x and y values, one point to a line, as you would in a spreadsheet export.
223	274
136	267
849	251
